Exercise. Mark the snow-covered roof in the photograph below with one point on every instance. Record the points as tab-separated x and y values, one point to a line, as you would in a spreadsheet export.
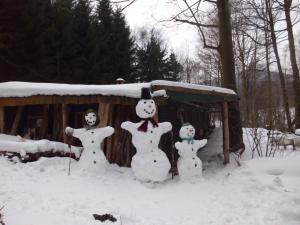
133	90
193	86
25	89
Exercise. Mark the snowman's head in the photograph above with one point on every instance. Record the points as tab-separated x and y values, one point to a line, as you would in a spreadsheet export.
146	107
91	118
187	131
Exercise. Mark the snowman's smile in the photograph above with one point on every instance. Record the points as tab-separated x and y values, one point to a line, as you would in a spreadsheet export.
190	134
149	113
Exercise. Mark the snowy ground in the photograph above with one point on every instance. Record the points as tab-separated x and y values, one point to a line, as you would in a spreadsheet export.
263	191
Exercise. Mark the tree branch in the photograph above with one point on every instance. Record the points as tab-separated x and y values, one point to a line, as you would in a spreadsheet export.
196	23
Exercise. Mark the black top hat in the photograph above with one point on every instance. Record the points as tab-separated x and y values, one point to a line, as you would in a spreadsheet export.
146	94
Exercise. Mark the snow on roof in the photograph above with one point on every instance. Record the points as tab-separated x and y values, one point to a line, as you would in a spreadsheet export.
193	86
133	90
25	89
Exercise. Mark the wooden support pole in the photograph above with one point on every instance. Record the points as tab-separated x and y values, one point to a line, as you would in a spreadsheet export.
225	133
2	119
105	112
44	128
64	120
17	119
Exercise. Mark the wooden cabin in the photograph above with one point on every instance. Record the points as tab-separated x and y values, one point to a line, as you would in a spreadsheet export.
43	110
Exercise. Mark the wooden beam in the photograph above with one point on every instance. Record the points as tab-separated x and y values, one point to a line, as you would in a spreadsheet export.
64	121
16	122
225	133
2	119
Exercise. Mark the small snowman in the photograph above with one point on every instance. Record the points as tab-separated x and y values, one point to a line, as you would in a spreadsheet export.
149	163
92	158
189	165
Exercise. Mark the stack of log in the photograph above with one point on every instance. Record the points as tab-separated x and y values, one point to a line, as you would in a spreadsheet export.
30	157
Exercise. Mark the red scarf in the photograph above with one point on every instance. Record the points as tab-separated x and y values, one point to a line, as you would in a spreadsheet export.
144	126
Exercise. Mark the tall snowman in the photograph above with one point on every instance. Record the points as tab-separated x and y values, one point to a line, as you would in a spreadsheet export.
188	164
92	158
149	163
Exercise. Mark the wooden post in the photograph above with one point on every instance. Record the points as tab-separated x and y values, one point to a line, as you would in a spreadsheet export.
225	133
105	115
64	120
2	119
44	128
16	122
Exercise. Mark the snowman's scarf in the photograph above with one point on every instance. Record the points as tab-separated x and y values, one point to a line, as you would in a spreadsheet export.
144	126
188	140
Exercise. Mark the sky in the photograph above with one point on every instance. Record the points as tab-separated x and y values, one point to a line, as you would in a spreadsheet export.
181	38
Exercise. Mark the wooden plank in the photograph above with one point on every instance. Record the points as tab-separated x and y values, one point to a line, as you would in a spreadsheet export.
16	122
86	99
2	119
103	113
225	133
64	121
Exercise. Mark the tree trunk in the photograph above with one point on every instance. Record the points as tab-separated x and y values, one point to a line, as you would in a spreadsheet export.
269	81
296	79
280	72
228	72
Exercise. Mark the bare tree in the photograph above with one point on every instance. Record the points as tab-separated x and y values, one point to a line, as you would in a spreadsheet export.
287	5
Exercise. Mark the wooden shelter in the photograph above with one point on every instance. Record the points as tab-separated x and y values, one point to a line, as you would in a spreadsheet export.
41	110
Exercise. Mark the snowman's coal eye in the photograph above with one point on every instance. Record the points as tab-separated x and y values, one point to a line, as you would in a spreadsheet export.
145	102
94	115
152	102
187	128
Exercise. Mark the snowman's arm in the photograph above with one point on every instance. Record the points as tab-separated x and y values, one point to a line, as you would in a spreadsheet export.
178	145
200	143
107	131
73	132
129	126
165	127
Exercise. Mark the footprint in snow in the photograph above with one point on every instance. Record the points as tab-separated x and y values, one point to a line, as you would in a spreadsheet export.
278	182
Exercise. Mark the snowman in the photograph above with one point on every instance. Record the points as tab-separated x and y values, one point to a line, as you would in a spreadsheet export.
92	158
149	163
189	165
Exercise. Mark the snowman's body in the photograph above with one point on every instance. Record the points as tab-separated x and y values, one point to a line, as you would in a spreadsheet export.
189	164
92	158
149	163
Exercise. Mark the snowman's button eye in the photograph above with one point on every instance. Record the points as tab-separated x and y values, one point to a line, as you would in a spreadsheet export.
152	102
192	149
145	102
154	161
94	115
